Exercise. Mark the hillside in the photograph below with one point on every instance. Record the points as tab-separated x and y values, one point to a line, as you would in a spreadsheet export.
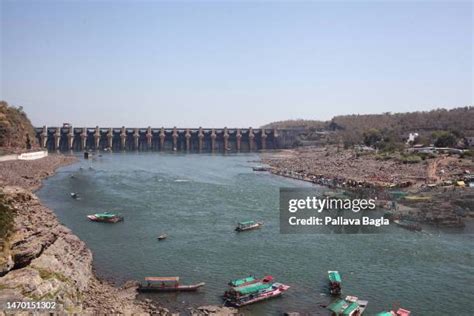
352	129
16	130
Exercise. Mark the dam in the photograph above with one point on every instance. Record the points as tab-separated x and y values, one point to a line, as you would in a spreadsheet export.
200	139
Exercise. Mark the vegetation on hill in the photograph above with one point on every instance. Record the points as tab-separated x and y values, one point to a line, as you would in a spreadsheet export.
388	131
16	130
300	123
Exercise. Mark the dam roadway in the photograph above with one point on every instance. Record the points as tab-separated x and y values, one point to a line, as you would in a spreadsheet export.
200	139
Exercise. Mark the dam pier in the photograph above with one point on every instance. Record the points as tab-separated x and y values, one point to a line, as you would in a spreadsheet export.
200	139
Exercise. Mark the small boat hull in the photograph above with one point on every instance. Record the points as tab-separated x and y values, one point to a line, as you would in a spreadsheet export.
251	227
179	288
334	283
94	218
261	297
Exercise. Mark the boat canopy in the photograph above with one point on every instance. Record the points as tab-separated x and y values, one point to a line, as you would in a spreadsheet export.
106	214
403	312
350	309
246	223
343	307
162	279
384	314
334	276
252	288
239	282
338	306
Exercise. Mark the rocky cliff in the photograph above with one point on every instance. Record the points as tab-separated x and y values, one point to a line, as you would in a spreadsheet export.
16	131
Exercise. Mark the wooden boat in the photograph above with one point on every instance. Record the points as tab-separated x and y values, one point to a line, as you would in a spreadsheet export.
407	225
248	225
399	312
255	293
167	284
260	168
350	306
236	285
105	217
162	237
334	282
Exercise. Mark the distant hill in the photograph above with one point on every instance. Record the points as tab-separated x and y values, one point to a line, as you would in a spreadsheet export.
351	128
298	124
15	128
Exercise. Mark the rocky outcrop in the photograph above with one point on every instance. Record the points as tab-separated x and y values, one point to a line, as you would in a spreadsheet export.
51	263
16	131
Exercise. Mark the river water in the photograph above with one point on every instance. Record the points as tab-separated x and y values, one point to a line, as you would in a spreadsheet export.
197	199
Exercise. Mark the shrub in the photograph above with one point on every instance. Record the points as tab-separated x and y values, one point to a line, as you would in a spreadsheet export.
410	159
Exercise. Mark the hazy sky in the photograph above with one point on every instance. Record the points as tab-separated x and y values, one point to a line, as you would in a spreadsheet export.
232	63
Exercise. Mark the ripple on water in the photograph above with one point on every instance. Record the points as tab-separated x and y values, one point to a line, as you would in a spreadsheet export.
428	274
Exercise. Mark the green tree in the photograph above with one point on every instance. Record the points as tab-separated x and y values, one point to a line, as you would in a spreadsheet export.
444	139
372	137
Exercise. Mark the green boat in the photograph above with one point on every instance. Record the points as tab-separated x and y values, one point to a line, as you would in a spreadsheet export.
334	282
252	288
350	306
253	293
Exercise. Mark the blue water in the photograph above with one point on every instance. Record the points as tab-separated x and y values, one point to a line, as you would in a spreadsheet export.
197	199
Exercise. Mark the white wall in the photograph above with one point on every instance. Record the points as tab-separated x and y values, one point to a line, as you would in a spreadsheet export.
33	155
25	156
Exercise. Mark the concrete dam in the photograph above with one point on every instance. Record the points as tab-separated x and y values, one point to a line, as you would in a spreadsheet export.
200	139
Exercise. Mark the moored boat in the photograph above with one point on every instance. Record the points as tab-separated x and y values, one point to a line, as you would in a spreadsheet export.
167	284
248	283
334	282
350	306
105	217
253	293
249	280
248	225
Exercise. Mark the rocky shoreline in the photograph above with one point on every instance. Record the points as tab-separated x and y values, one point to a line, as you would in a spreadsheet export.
434	199
42	260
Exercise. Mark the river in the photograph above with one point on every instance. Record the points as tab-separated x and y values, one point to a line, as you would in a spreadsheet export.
197	199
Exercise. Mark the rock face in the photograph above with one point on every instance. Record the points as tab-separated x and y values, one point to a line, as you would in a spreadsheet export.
15	128
49	263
